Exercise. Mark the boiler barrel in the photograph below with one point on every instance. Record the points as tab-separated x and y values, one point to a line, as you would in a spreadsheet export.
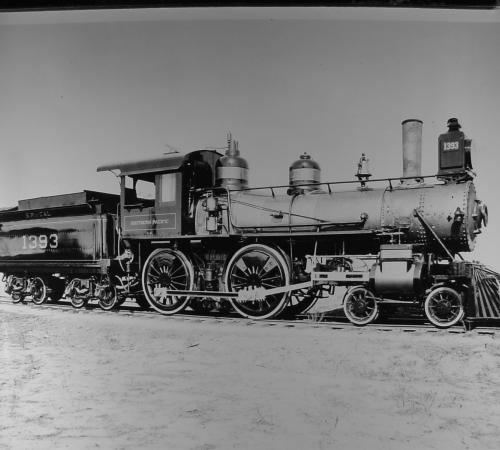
448	209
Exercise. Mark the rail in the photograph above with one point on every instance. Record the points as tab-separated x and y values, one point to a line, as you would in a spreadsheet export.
330	319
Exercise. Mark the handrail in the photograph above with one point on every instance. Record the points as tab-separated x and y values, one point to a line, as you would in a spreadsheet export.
328	183
324	183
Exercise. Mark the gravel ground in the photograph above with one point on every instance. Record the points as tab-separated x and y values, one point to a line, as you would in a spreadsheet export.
81	380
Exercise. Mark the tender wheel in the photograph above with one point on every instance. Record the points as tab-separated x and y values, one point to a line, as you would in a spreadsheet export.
258	266
17	290
17	297
167	269
77	293
8	284
443	307
360	306
78	302
301	301
38	291
108	299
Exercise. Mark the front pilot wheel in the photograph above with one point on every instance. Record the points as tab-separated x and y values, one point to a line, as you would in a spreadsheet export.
360	306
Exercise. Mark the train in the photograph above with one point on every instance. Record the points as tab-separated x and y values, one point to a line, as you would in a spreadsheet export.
187	230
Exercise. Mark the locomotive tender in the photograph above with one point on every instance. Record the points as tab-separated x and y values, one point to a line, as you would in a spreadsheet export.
186	230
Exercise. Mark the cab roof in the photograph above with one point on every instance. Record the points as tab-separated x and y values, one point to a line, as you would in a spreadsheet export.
170	162
163	163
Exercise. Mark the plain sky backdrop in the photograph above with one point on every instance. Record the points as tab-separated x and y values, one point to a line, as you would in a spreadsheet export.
83	88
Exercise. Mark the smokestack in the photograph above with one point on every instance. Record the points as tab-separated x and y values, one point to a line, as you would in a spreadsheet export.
412	148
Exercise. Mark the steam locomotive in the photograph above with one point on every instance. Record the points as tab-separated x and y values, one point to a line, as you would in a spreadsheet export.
186	230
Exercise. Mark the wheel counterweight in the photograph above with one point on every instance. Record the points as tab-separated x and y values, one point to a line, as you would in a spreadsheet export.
443	307
167	269
257	266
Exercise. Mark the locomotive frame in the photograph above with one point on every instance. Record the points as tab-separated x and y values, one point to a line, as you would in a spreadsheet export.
200	237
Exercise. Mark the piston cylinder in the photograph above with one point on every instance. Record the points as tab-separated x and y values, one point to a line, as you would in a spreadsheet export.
396	271
412	148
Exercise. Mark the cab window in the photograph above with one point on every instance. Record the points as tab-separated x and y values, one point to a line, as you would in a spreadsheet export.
139	191
168	186
145	190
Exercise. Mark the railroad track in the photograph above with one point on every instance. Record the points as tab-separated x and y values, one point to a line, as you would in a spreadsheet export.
326	320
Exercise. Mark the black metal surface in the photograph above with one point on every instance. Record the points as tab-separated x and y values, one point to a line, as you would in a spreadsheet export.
85	197
49	267
16	215
58	240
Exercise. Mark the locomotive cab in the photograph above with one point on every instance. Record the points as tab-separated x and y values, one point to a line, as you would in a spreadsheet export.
157	195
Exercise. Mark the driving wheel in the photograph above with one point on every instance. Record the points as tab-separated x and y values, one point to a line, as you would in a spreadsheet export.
167	270
257	266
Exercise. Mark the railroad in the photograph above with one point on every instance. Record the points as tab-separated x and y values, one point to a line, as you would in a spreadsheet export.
330	320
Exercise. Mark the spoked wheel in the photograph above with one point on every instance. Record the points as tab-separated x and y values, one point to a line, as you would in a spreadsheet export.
17	289
78	302
360	306
38	291
8	284
17	297
167	269
108	299
301	301
77	294
443	307
258	266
